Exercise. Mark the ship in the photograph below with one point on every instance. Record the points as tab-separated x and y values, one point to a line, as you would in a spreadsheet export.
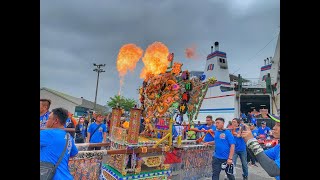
232	94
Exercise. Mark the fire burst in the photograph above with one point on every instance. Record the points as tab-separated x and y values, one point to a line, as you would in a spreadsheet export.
128	56
155	59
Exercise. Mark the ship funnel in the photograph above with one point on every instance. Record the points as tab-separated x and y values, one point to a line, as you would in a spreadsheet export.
265	62
216	46
211	49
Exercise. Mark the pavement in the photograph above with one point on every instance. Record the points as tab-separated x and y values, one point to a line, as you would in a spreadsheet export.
255	173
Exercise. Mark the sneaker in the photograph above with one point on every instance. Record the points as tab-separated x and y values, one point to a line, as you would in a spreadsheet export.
245	177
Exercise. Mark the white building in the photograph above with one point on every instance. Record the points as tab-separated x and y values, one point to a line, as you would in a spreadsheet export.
77	106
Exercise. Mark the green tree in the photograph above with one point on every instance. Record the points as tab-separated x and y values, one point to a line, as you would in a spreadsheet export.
128	104
116	101
124	103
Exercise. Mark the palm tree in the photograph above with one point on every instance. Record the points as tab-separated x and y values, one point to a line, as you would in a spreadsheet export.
128	104
122	102
116	101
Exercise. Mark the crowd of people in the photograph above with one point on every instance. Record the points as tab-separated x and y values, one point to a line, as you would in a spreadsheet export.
240	140
57	144
234	141
57	126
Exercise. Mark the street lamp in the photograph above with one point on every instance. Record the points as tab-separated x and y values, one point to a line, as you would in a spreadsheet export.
98	70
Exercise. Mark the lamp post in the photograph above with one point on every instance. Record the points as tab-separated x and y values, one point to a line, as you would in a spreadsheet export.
98	70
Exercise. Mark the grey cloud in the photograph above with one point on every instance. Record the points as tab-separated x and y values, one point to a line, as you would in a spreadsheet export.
76	33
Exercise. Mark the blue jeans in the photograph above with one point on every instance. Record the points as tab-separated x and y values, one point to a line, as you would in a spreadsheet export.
216	169
243	158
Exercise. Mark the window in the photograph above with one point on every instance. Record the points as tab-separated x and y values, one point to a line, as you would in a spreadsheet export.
223	67
210	67
225	89
220	60
223	60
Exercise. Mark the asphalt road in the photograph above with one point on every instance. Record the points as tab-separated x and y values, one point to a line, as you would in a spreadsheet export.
255	173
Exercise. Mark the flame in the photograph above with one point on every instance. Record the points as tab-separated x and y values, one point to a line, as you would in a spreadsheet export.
128	56
143	73
121	84
155	59
190	52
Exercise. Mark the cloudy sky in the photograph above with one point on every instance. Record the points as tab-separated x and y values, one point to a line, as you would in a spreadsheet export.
77	33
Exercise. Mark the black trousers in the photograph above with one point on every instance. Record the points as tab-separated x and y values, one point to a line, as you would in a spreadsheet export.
250	156
216	169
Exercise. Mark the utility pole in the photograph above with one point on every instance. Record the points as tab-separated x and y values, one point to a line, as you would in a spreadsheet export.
98	70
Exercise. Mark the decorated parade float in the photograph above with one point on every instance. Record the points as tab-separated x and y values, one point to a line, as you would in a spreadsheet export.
146	148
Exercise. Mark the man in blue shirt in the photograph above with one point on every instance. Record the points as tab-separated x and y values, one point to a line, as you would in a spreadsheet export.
205	128
264	129
224	149
70	124
44	111
52	143
249	117
97	132
254	130
240	147
68	121
268	159
253	120
244	117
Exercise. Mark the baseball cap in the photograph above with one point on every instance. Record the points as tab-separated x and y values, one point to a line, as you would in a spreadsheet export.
274	117
263	122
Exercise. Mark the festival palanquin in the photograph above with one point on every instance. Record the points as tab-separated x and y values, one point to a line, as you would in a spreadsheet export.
152	154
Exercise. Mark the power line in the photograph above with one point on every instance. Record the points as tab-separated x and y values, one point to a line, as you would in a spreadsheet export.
259	51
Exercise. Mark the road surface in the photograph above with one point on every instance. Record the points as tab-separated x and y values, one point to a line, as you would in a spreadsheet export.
255	173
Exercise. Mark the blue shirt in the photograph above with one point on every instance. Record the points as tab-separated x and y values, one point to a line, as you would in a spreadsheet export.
243	116
240	144
174	132
223	141
255	132
249	117
52	143
43	119
208	137
67	123
97	137
83	130
254	120
274	154
264	131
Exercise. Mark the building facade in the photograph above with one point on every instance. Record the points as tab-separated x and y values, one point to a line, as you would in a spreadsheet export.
77	106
